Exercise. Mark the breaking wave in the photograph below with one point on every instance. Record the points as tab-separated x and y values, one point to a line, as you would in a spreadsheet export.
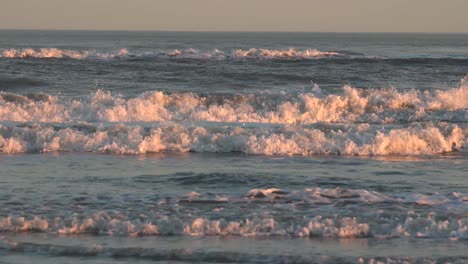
103	223
177	53
214	54
418	139
59	53
353	122
351	105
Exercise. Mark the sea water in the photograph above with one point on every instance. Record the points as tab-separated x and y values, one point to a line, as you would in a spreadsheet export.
233	147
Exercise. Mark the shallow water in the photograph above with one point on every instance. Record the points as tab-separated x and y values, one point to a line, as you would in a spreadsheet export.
138	147
347	208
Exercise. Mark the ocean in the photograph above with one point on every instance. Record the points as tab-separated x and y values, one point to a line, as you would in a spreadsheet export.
182	147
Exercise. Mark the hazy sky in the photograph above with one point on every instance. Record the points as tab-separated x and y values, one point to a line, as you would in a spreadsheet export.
238	15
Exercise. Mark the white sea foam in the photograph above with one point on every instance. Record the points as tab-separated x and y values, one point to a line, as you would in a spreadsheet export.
103	223
268	124
351	105
328	196
287	140
177	53
288	53
156	221
59	53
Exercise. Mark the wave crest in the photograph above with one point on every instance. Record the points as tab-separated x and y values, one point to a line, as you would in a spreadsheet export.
103	223
384	106
288	53
283	140
177	53
58	53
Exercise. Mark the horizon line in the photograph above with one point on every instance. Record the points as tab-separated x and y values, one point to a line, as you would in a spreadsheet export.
236	31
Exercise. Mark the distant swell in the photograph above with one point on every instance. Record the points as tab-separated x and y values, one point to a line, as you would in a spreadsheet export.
177	53
58	53
215	54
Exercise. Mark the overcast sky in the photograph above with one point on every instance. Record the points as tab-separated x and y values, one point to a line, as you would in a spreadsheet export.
238	15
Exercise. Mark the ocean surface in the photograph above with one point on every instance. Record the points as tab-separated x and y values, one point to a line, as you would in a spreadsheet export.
181	147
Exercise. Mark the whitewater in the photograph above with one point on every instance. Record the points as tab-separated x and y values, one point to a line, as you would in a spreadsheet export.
187	147
354	122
